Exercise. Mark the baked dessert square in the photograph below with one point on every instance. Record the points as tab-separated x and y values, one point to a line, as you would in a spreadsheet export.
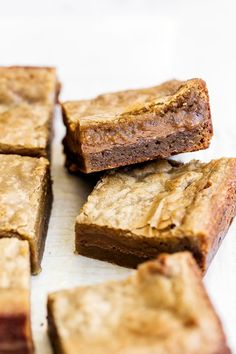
27	99
15	324
28	84
26	129
128	127
162	308
25	202
135	213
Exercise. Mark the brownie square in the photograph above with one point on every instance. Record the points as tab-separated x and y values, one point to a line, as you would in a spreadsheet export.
133	126
25	202
27	99
161	308
134	214
15	324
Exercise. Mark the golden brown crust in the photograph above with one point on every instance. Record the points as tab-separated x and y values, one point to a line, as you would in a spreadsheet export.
144	122
160	308
20	84
25	129
137	213
25	201
27	98
15	327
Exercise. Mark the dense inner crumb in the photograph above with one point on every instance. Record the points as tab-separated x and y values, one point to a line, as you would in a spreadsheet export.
161	306
156	199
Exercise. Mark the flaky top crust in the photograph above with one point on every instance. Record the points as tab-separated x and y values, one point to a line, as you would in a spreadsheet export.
161	308
161	198
22	183
27	84
14	264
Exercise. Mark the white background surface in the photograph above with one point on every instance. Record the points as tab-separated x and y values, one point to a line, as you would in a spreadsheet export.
109	45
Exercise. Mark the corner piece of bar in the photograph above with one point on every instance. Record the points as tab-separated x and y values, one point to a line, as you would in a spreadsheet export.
162	307
27	99
15	323
25	201
135	213
134	126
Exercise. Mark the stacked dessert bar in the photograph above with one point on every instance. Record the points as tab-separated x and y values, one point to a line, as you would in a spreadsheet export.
164	217
133	126
137	212
27	99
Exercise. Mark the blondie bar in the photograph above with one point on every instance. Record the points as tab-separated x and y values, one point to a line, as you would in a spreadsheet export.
135	213
25	202
27	99
133	126
162	308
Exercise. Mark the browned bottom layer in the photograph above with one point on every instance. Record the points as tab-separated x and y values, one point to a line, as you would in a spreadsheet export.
73	165
111	246
143	150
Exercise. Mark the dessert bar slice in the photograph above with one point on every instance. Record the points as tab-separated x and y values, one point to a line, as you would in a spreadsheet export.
15	327
162	308
133	214
133	126
27	99
25	129
20	84
25	202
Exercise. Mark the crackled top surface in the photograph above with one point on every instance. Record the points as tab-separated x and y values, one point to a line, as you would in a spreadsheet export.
161	308
25	126
22	181
128	104
14	264
159	198
27	84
